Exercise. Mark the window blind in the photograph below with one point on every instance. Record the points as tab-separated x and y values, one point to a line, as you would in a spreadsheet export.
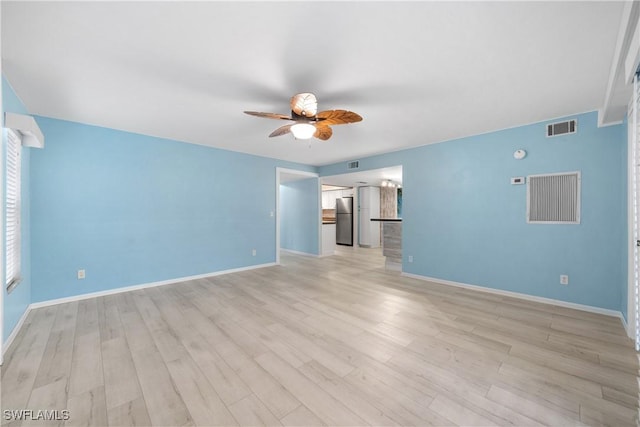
12	210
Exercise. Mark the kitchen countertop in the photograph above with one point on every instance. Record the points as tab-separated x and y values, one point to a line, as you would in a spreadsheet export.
328	222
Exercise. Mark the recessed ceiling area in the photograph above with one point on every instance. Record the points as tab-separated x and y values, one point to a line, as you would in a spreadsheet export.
417	72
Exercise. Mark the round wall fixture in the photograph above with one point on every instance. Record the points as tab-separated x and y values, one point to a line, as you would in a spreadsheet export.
519	154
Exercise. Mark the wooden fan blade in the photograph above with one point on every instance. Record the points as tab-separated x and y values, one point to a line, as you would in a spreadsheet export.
304	104
283	130
338	117
323	132
268	115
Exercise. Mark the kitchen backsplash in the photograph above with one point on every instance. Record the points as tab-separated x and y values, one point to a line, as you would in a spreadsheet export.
328	215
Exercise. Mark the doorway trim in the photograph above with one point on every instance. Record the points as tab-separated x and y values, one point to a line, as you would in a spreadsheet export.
303	175
632	215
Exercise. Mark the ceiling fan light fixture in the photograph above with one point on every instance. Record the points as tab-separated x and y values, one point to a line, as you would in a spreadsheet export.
303	130
307	121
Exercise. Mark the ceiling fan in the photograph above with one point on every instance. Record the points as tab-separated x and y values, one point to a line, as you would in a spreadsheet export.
308	122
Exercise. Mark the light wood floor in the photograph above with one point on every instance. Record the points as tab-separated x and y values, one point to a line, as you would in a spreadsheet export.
331	341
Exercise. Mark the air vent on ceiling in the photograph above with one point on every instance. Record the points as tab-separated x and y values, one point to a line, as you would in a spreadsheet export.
561	128
353	165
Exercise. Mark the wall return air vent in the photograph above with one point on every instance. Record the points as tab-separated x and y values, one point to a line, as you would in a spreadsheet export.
353	165
562	128
554	198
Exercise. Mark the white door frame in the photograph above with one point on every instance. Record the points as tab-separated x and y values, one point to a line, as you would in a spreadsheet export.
303	175
627	61
631	225
633	214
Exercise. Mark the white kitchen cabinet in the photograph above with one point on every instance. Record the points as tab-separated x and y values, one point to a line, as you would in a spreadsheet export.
369	202
328	239
332	199
328	200
329	197
364	195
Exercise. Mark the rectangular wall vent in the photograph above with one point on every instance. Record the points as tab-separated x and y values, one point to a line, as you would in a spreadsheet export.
353	165
562	128
554	198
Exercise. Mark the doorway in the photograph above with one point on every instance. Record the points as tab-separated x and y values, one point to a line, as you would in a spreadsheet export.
302	209
359	185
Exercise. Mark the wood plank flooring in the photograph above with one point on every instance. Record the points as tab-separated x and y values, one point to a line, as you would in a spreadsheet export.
330	341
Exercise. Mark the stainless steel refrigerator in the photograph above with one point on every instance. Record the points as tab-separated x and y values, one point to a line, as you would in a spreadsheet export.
344	221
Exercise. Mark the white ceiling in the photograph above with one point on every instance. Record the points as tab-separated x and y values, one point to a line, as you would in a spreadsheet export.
418	72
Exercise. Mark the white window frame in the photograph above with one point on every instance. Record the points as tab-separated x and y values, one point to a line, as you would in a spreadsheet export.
13	205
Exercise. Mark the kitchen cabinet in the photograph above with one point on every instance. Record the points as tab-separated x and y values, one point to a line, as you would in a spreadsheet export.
369	231
332	199
328	200
392	243
328	239
329	197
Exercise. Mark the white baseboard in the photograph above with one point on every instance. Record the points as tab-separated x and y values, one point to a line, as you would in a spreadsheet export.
146	285
324	255
627	327
589	308
291	251
81	297
392	265
14	333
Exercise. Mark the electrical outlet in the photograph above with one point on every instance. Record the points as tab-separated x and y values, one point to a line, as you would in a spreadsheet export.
410	258
81	274
564	279
253	252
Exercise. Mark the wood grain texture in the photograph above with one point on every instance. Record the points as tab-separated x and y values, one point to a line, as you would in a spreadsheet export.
320	341
388	202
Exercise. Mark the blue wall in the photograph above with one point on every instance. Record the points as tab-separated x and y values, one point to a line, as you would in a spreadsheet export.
465	222
133	209
300	216
19	299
